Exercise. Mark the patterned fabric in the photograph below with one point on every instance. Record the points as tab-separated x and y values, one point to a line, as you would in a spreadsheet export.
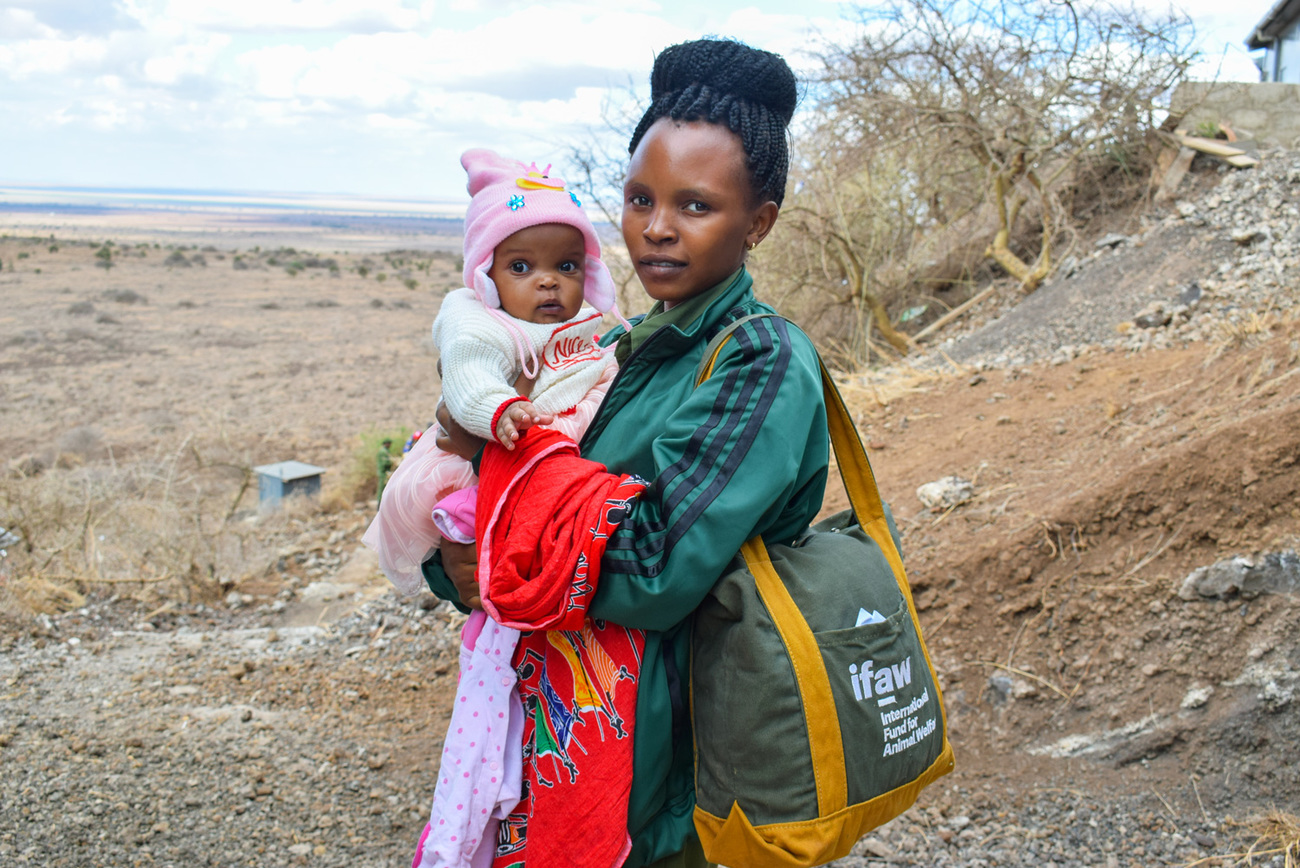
540	545
578	688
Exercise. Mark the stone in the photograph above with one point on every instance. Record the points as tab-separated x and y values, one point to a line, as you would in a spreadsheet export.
1249	235
1247	576
1276	697
877	849
1001	687
1152	320
945	493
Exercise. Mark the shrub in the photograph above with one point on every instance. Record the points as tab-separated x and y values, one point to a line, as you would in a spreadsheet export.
359	480
125	296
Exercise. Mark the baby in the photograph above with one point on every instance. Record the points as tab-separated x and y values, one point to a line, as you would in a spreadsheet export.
517	348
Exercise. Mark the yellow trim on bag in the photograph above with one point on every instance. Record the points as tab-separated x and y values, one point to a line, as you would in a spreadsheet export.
825	742
864	497
735	841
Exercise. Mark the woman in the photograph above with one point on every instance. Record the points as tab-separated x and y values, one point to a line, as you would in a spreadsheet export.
744	453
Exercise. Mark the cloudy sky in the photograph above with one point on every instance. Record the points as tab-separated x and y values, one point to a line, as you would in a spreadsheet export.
371	97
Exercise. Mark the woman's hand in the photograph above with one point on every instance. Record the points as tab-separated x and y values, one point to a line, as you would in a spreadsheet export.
460	562
453	438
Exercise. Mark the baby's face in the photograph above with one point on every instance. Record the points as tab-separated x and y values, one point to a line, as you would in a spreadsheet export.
539	273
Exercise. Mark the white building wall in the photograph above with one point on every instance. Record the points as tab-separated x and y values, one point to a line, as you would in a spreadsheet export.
1282	60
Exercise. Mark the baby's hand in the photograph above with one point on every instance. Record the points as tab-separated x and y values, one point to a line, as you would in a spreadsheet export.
518	418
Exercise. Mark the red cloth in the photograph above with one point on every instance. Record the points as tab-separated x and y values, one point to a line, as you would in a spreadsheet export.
550	513
539	549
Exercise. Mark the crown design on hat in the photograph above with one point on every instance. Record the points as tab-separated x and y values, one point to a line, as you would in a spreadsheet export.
535	180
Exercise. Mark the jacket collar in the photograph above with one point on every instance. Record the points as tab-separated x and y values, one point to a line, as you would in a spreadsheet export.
686	323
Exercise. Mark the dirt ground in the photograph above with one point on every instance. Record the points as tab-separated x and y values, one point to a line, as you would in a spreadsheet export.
1051	599
1070	663
292	365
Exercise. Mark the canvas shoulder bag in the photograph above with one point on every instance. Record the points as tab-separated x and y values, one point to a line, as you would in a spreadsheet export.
817	713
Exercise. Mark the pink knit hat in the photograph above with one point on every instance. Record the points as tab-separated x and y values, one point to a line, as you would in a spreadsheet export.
509	196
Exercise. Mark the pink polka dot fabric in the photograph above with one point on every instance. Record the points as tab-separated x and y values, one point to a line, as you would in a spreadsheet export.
482	757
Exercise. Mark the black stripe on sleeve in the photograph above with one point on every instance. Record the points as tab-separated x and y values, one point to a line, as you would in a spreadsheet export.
652	542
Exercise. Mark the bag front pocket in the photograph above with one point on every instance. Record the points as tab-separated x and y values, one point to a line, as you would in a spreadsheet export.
886	701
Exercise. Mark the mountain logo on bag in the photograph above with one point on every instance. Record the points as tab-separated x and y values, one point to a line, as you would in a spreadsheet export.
880	684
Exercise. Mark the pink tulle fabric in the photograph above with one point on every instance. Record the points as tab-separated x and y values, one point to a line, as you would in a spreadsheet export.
403	533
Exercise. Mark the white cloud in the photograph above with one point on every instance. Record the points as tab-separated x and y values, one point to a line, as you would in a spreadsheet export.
289	16
35	57
188	59
18	23
274	71
388	123
389	91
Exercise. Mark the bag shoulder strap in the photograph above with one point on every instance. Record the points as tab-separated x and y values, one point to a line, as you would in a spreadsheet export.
711	349
850	456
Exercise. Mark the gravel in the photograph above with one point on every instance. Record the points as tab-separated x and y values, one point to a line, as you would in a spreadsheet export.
214	742
210	744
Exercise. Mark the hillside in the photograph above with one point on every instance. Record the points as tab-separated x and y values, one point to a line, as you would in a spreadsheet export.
1133	421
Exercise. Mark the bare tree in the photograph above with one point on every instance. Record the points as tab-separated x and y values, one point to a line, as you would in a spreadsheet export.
600	159
952	132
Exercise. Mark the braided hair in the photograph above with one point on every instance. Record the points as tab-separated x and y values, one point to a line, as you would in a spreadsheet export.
749	91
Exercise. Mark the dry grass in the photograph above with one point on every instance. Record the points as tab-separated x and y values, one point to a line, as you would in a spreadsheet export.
880	387
1276	834
38	596
180	524
1235	335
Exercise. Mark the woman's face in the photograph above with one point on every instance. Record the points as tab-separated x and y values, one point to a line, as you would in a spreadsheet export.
688	214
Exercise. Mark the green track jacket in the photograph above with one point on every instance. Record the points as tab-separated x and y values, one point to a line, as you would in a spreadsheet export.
743	454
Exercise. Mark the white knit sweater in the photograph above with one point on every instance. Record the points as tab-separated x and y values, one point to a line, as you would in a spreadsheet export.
480	361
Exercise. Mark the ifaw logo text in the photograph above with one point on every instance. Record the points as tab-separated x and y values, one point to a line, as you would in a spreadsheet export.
903	727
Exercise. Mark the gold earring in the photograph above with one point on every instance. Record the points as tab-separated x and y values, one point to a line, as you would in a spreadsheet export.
751	245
